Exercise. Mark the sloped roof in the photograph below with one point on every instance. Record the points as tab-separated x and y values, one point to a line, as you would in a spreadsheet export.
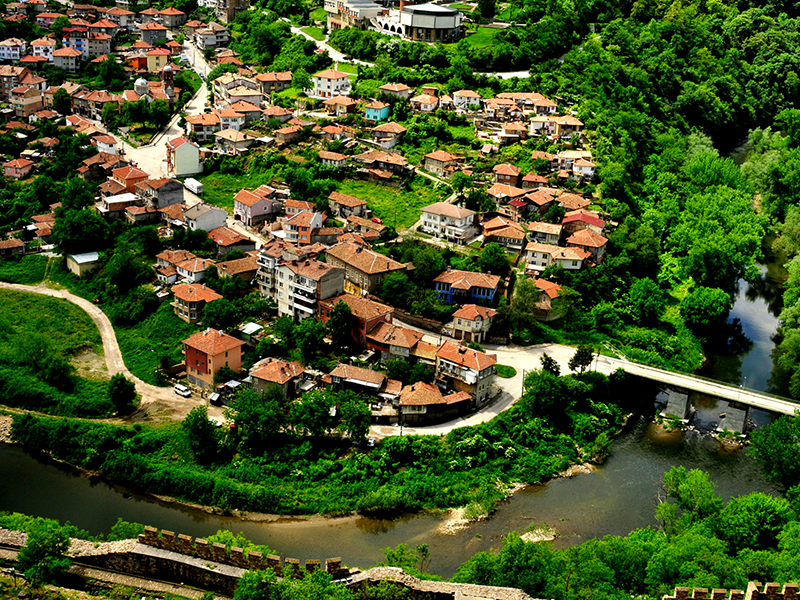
212	342
587	238
467	279
363	259
448	210
345	200
278	371
471	312
362	308
194	292
466	357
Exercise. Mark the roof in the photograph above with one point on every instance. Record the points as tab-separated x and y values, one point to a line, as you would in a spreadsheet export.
466	357
441	156
278	371
274	76
67	52
365	377
394	335
299	204
471	312
585	218
249	198
362	308
345	200
467	279
85	257
588	238
302	219
504	190
332	74
377	105
212	342
390	127
19	163
466	94
172	11
550	228
195	265
503	227
378	228
175	256
425	394
448	210
225	236
363	259
194	292
126	173
343	100
548	287
325	155
238	266
394	87
425	99
232	135
13	243
506	169
573	202
312	269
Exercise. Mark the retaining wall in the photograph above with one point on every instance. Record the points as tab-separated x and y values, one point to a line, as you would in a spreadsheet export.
755	591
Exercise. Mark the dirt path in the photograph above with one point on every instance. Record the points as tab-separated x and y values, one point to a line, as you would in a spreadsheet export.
157	403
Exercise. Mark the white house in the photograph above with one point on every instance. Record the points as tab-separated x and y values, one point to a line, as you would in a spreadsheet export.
205	217
44	47
183	157
330	83
12	49
464	99
445	220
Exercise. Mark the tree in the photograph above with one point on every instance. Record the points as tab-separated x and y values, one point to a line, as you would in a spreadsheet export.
310	336
121	391
582	359
311	414
58	26
43	557
111	74
777	448
77	231
493	259
694	493
221	314
704	307
550	365
254	585
355	416
62	102
259	419
396	289
486	8
158	114
340	325
201	435
754	521
647	301
461	182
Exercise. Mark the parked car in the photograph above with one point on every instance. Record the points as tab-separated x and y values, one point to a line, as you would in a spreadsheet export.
182	390
377	220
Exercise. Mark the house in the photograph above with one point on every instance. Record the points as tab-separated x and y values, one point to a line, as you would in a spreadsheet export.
572	202
160	193
256	206
226	10
543	307
46	19
463	369
398	90
148	15
10	78
440	163
503	194
467	100
365	269
299	227
301	284
533	181
593	243
183	157
505	232
345	206
287	135
270	255
105	143
383	161
142	215
339	106
243	268
507	174
542	198
330	83
166	265
423	403
191	299
152	32
121	17
424	103
203	125
366	314
292	207
157	59
465	287
539	256
274	371
367	228
214	35
277	112
274	81
582	220
90	103
583	168
471	323
545	233
394	341
12	247
448	221
233	142
250	111
207	352
194	269
333	159
228	240
205	217
113	207
44	47
68	59
129	177
171	17
376	111
80	264
358	379
19	168
388	135
12	49
332	132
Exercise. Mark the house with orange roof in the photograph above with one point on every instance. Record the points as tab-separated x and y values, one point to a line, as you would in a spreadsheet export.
395	341
252	207
503	193
44	47
340	105
243	268
183	157
388	135
193	270
506	173
365	269
359	379
274	81
273	371
345	206
301	284
203	125
68	59
423	403
152	32
12	49
172	17
505	232
471	323
440	163
11	247
463	369
330	83
26	101
376	111
424	103
18	168
367	314
460	287
299	227
191	299
122	17
591	242
207	352
161	192
129	177
157	58
228	240
398	90
539	256
466	99
333	159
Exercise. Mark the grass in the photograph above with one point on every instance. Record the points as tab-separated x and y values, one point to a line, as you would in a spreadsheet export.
319	14
397	207
27	270
483	37
348	68
505	371
314	32
219	189
462	7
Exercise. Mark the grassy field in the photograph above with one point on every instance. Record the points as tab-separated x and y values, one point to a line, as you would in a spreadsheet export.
462	7
319	14
314	32
484	36
397	208
28	270
505	371
219	189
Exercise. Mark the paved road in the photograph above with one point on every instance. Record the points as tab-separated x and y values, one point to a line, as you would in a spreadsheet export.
156	402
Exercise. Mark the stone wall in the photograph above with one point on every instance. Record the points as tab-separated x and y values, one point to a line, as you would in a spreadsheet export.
755	591
417	321
237	557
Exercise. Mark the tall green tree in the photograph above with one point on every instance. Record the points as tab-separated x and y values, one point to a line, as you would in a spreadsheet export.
121	393
201	435
43	557
340	325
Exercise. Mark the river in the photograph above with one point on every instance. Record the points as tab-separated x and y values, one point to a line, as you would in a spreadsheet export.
617	498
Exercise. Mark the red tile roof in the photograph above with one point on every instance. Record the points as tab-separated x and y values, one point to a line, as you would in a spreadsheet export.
212	342
278	371
466	357
194	292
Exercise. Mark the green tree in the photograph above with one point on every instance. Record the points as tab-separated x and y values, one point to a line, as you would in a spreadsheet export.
310	336
494	260
340	325
311	414
201	435
694	494
705	307
355	416
259	419
62	102
221	314
121	393
486	8
754	521
254	585
396	289
777	448
58	26
647	301
550	365
582	359
158	113
77	231
43	557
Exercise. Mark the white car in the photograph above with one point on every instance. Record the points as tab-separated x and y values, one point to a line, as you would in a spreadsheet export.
182	390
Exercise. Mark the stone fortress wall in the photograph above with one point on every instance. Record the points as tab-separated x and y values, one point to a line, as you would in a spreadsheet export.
755	591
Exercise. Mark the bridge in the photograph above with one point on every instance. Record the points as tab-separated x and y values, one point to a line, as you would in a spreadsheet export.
703	386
